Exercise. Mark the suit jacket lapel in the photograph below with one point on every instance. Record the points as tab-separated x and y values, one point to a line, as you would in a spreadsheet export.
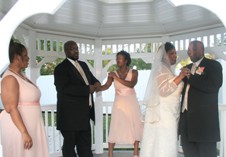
203	62
189	66
75	71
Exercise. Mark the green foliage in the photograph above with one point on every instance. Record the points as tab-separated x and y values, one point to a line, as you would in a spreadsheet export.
48	68
49	118
50	45
140	64
39	59
148	47
60	45
91	62
42	44
112	68
218	39
187	61
105	62
107	52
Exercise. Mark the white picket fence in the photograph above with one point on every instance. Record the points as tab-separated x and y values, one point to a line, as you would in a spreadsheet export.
55	139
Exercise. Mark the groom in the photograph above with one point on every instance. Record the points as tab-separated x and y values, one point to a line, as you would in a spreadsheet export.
75	85
199	123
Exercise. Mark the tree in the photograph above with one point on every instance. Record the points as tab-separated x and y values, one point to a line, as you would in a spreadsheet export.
48	68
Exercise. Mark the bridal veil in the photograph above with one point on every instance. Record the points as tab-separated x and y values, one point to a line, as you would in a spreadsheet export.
152	94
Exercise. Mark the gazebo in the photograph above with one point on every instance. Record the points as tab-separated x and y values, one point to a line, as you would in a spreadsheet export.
102	26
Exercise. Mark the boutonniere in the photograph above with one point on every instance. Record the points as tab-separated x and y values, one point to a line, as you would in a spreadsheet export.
200	70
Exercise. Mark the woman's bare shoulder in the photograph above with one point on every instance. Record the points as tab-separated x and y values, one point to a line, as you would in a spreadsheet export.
9	80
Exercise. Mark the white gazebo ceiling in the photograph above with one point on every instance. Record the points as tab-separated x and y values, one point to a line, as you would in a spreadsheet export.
102	18
124	1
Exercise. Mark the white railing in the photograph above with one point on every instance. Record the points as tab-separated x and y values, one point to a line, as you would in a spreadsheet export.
55	138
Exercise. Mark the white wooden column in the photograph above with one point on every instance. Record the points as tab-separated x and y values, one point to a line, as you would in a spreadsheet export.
222	102
99	101
9	23
33	71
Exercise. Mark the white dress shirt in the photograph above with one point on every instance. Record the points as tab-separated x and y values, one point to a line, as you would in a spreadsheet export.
193	70
82	73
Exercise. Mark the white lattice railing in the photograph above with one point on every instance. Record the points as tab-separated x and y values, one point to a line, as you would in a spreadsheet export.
51	45
55	138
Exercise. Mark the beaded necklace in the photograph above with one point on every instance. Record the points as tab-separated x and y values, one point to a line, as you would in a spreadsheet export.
22	76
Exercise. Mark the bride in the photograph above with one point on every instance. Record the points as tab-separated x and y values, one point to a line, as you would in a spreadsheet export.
163	106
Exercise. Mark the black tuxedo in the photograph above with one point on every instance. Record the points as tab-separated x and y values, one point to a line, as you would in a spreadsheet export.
73	110
200	124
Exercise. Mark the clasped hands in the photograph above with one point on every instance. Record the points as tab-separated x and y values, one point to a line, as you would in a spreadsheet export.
185	72
112	75
94	88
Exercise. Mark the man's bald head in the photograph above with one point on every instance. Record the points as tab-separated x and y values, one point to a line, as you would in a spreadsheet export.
195	50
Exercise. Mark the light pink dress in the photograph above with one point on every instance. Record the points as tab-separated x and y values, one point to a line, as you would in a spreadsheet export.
126	126
30	111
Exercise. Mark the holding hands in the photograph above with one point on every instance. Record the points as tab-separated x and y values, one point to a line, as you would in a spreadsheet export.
185	72
94	88
112	75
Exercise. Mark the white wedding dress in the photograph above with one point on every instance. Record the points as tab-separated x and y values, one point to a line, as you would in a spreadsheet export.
161	120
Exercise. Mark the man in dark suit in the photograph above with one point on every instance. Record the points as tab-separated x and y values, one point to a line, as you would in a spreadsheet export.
199	123
75	85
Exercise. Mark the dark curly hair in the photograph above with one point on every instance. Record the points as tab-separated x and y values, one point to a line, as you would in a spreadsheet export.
15	49
126	55
169	46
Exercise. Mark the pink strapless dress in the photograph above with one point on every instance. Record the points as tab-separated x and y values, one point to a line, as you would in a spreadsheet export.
126	126
30	111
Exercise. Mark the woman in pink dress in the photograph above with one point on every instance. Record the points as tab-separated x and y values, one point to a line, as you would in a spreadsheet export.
126	126
21	124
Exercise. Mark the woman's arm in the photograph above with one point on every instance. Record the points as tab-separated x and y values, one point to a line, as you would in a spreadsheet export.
10	97
167	87
106	85
131	83
184	72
